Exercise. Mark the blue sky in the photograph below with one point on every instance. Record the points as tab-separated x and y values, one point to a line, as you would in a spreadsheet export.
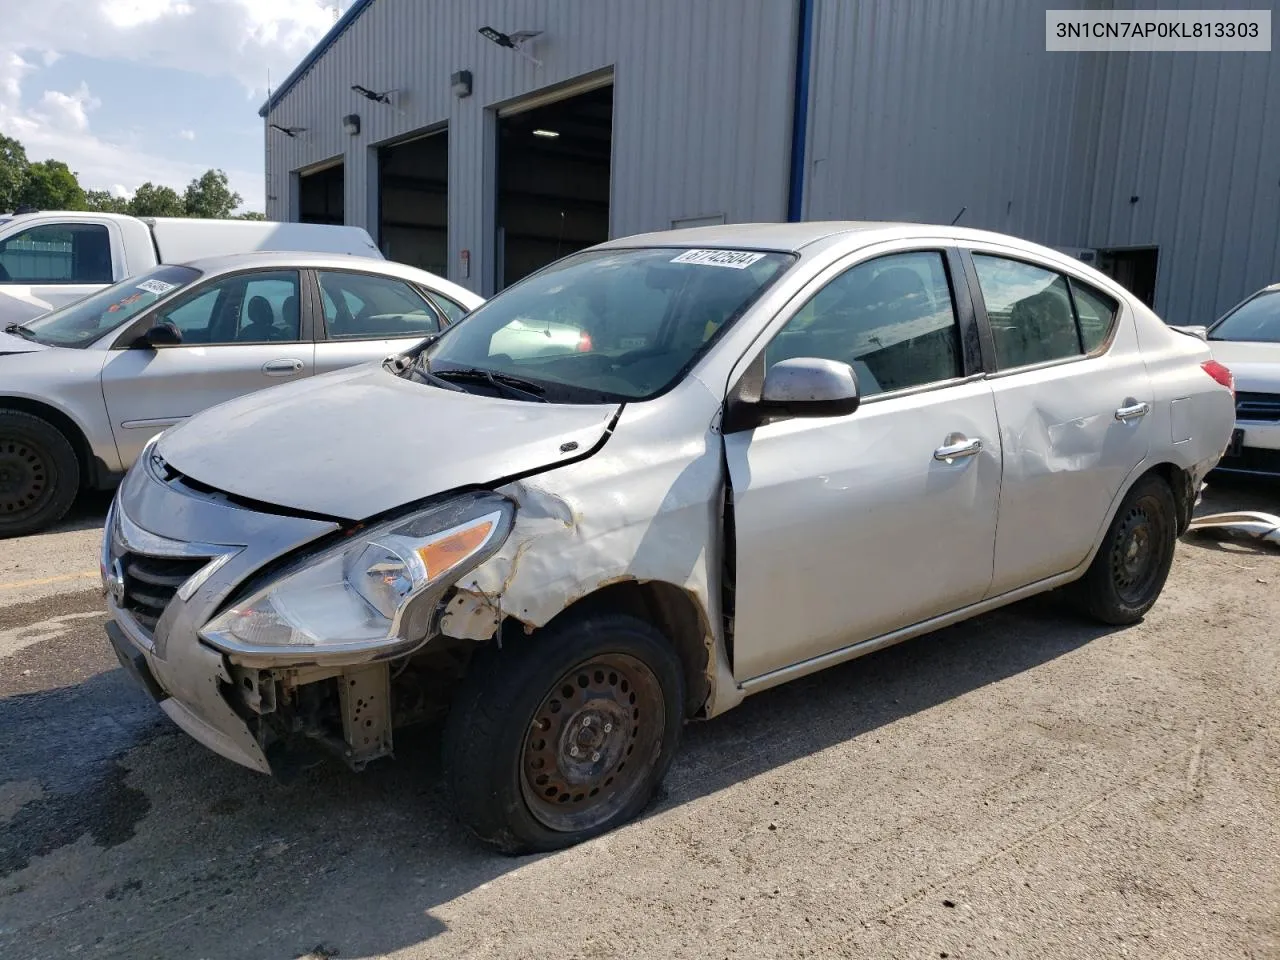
127	91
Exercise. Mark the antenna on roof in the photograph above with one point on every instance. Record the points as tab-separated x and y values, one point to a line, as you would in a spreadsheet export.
958	216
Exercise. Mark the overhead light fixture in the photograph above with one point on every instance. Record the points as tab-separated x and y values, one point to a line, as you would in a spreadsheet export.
512	41
373	95
546	133
461	84
290	132
351	123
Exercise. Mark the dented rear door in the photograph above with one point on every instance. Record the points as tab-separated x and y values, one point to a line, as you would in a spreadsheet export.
1073	427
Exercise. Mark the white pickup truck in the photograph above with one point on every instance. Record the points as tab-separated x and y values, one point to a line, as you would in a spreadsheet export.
52	258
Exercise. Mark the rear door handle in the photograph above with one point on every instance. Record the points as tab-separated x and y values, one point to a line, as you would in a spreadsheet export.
281	368
1133	412
957	449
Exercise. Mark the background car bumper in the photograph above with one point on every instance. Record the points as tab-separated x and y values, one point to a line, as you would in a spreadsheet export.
1258	452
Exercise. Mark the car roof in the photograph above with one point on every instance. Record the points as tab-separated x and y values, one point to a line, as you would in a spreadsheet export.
266	259
795	237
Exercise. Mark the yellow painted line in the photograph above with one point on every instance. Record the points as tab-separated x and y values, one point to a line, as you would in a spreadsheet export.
63	578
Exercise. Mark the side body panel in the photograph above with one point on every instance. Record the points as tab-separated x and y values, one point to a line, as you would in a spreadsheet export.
848	527
147	391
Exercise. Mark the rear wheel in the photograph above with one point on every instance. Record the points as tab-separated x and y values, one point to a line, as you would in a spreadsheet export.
1133	561
563	736
39	473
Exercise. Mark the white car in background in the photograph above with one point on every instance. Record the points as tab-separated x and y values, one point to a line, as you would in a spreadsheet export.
82	389
1247	339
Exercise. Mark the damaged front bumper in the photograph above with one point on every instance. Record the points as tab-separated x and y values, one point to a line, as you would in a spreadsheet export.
171	555
199	708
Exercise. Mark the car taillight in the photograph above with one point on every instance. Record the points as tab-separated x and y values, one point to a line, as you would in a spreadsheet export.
584	342
1221	374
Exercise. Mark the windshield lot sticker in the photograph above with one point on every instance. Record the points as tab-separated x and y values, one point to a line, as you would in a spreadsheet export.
734	259
158	287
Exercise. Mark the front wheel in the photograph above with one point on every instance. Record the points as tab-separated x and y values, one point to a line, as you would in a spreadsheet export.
1133	561
39	474
563	736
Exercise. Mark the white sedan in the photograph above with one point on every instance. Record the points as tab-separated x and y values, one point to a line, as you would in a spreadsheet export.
82	389
766	449
1247	339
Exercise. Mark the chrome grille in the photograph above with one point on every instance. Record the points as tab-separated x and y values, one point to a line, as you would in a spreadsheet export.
151	582
1258	406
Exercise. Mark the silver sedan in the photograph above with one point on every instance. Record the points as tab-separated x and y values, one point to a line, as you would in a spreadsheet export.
737	455
82	389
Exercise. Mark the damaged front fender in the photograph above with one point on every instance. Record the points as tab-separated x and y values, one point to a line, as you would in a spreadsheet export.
647	507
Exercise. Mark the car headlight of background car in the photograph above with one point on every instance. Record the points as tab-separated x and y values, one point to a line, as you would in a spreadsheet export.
374	592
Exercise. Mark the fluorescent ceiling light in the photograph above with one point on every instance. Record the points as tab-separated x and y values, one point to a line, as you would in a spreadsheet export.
546	133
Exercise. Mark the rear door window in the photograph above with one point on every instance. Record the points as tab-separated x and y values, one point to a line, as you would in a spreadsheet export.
1029	309
361	306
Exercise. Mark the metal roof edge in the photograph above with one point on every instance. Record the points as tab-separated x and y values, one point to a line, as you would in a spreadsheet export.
329	39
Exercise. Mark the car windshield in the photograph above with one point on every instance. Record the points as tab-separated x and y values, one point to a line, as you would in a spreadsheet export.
81	323
603	325
1257	320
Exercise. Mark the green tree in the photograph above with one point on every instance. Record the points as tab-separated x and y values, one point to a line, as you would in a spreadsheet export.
250	215
51	185
103	202
13	172
153	201
210	196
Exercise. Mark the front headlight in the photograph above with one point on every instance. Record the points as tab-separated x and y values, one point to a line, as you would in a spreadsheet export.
376	591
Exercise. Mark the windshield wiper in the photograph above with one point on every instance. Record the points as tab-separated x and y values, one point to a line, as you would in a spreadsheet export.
20	330
513	387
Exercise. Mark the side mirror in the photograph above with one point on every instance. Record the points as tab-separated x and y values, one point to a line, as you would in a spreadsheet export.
161	335
810	387
1195	331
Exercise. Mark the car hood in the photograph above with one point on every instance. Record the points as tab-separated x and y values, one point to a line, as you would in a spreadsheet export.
361	441
1256	366
12	343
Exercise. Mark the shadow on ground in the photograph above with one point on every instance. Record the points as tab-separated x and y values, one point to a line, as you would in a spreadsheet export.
176	852
187	847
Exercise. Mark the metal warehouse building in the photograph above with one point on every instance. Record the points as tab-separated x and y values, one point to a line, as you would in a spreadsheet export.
482	161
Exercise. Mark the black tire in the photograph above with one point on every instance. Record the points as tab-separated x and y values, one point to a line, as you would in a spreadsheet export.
522	708
39	474
1133	562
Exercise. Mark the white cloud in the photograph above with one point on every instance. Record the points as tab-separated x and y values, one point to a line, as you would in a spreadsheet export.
238	39
66	111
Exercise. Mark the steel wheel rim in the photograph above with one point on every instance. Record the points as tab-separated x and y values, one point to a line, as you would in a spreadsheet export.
24	477
591	742
1136	551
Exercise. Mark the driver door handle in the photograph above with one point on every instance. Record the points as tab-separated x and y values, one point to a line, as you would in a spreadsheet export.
957	449
1133	412
282	368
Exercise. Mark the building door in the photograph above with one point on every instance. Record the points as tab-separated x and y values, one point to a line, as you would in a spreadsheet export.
320	195
413	202
1134	268
553	169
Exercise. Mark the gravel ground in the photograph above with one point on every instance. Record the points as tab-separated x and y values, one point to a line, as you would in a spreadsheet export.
1025	785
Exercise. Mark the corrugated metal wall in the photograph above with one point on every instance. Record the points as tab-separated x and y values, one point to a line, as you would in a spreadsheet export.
702	104
917	108
1196	138
920	108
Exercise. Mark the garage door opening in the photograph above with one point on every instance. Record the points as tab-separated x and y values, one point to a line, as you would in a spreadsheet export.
413	202
553	181
320	195
1134	268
